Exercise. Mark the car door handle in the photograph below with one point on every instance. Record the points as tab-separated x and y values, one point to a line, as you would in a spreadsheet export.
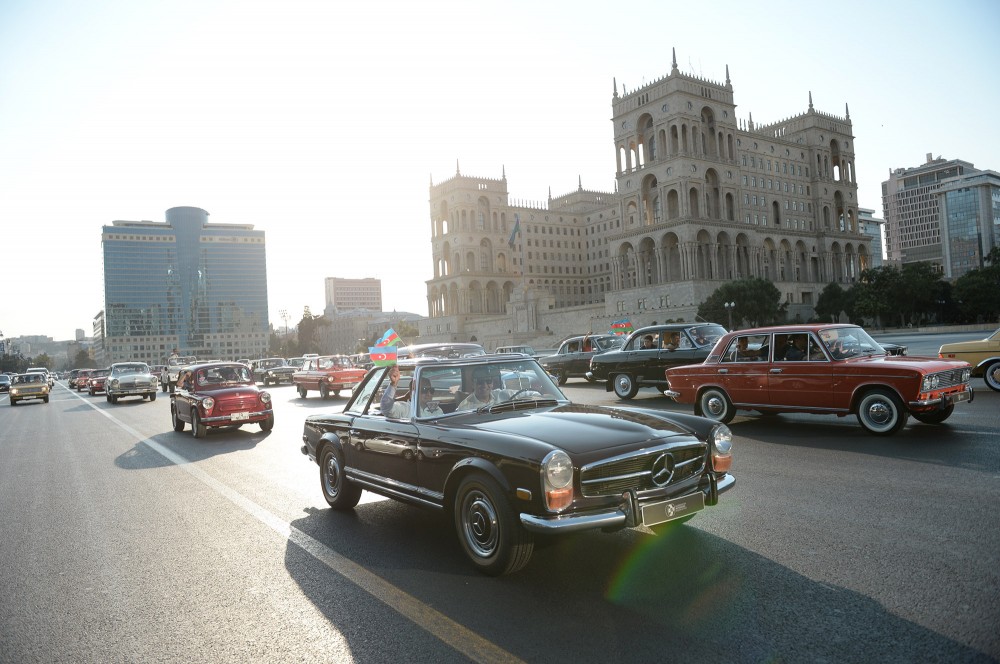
775	371
725	371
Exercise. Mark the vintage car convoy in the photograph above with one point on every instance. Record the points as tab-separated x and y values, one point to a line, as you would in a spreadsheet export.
572	359
272	370
130	379
648	352
825	369
219	395
328	374
494	444
28	387
983	355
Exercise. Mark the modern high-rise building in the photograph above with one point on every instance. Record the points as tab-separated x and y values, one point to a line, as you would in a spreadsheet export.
873	228
350	294
701	198
912	215
970	212
186	284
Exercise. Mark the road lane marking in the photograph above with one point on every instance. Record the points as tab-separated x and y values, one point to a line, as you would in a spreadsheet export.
432	621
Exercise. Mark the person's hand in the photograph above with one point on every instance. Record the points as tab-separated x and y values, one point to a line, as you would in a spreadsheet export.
394	375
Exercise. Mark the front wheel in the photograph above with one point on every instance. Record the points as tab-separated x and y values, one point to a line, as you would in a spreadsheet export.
487	528
303	392
340	493
714	404
198	429
268	424
992	376
935	416
625	386
881	412
152	395
324	391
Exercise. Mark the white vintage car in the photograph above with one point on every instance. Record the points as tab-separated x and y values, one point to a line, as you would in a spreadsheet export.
130	379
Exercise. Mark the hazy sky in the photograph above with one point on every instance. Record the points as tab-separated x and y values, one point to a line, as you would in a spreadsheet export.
322	123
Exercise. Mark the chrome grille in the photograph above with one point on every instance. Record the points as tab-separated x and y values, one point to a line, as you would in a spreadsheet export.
949	378
635	471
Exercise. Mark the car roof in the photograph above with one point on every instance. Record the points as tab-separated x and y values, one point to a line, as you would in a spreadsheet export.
791	329
471	361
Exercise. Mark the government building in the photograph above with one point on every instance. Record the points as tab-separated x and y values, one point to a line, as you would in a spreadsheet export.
701	198
186	284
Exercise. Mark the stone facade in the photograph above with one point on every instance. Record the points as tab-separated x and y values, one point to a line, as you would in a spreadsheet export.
701	198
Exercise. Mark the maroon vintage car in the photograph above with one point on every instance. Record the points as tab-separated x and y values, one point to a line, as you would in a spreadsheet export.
219	394
826	369
328	374
96	381
81	379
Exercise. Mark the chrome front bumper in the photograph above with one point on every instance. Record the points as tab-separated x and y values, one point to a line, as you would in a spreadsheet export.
612	518
946	400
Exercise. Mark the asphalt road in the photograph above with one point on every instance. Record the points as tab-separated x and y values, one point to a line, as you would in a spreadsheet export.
121	540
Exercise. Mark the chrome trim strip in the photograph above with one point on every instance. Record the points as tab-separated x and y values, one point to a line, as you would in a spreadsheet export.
380	484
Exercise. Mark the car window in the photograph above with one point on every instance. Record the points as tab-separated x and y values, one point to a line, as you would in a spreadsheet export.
748	348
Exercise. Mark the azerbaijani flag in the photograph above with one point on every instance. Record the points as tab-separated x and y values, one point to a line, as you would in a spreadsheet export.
517	230
390	338
621	327
382	356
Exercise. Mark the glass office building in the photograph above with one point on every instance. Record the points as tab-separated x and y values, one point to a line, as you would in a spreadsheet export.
186	284
970	207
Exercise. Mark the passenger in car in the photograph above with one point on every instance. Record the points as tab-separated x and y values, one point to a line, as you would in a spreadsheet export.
647	342
426	405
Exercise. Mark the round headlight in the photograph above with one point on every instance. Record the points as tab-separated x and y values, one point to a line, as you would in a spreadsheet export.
265	397
722	439
208	404
114	382
558	469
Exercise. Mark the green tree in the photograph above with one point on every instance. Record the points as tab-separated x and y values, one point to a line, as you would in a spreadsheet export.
833	300
83	361
874	293
758	302
977	292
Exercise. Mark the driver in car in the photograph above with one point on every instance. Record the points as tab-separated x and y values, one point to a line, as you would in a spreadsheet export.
484	394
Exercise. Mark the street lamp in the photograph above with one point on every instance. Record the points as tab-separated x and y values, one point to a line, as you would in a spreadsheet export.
284	316
729	310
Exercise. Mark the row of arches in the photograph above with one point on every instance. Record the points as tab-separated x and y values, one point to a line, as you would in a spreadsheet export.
724	257
479	218
683	137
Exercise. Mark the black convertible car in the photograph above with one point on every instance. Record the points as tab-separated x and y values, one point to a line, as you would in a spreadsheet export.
494	443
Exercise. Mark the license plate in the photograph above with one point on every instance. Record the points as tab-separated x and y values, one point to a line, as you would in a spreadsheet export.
964	395
239	416
675	508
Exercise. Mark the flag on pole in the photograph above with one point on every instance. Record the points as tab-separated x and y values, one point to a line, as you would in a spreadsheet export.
517	230
382	356
390	338
621	327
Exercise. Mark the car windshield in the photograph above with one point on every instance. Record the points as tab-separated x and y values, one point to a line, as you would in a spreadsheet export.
29	378
130	369
223	375
341	362
845	342
270	364
607	343
706	335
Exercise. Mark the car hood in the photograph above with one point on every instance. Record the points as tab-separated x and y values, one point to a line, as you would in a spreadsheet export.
579	429
926	364
232	392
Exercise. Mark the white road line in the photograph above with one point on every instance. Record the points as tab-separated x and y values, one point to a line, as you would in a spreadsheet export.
434	622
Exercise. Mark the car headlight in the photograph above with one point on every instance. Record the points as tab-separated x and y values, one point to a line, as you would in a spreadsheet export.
114	383
265	397
930	383
153	381
557	478
14	391
721	440
966	375
208	403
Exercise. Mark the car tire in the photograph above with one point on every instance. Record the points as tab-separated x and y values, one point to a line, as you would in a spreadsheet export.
714	404
991	374
560	376
487	528
340	493
881	412
935	416
178	422
268	424
303	392
324	391
45	399
267	383
91	392
152	395
198	429
13	402
625	386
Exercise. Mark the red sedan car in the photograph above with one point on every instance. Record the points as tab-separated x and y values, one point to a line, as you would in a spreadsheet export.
219	395
825	369
96	381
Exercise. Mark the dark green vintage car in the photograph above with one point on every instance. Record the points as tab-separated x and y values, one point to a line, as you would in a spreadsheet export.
493	443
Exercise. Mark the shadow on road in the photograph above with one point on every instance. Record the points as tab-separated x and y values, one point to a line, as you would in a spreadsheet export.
686	595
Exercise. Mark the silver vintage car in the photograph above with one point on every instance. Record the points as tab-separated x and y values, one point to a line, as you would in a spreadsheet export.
131	379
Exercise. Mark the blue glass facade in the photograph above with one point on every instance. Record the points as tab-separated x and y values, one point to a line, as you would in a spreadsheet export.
971	212
185	284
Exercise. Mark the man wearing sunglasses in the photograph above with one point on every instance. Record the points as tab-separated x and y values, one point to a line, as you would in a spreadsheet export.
426	405
484	394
